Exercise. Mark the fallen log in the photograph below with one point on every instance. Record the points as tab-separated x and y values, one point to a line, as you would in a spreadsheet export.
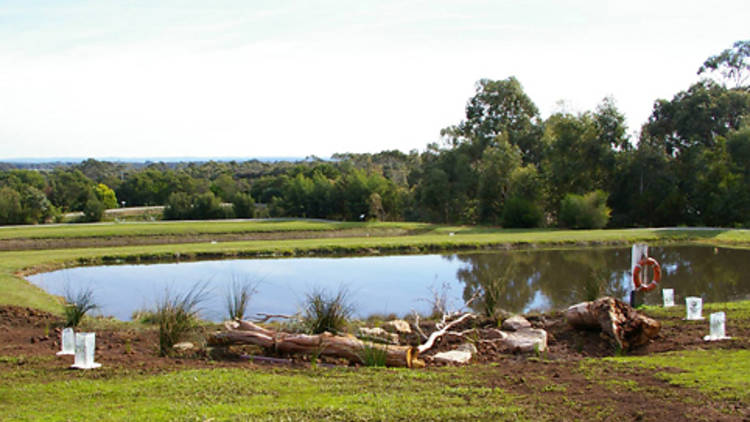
628	327
326	344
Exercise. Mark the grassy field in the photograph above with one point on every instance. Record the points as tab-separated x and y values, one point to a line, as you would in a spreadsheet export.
15	290
30	390
183	228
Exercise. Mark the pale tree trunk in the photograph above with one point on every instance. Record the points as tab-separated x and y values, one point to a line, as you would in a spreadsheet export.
627	326
326	344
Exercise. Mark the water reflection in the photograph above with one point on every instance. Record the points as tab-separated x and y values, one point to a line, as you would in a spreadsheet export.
524	281
515	281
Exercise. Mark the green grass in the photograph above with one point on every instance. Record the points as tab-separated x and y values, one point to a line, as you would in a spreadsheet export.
240	394
186	228
722	374
735	311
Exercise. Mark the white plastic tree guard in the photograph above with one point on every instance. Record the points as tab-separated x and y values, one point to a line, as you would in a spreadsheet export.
717	327
668	296
84	354
68	342
694	306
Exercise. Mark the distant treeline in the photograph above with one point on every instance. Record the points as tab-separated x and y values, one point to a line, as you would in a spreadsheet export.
502	165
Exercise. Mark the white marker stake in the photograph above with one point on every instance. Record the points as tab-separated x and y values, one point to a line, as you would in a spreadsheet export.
68	342
717	332
694	307
668	296
85	346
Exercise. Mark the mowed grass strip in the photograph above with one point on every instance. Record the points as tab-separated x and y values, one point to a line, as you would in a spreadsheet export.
338	394
187	228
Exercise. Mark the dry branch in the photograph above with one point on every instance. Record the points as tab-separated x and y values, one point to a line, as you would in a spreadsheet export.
437	334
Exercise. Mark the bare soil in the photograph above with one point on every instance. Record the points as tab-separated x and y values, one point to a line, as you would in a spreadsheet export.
553	386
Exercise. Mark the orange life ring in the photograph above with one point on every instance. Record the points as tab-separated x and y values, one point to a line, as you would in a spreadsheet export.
637	274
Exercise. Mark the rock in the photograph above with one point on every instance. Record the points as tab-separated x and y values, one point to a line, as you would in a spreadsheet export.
461	354
397	326
467	347
377	334
515	323
184	346
453	356
526	340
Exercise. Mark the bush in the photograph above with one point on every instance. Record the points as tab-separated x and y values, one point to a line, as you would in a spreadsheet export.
589	211
179	207
326	312
177	316
207	206
93	210
374	356
243	205
77	304
238	297
521	213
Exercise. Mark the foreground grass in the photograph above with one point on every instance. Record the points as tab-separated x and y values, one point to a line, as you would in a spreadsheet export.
240	394
15	290
722	374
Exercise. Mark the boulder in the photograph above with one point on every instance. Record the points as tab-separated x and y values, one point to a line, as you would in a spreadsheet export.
526	340
515	323
461	355
184	346
397	326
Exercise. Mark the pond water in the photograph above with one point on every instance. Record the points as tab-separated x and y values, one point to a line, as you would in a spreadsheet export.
517	281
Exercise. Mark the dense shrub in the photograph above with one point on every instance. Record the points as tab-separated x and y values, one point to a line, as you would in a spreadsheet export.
178	207
243	205
520	212
207	206
181	206
10	206
93	210
589	211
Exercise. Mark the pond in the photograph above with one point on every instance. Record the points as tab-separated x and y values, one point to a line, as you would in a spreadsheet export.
517	281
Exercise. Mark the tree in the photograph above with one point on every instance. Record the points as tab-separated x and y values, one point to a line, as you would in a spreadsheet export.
495	170
733	63
93	210
243	205
499	108
10	206
106	196
694	118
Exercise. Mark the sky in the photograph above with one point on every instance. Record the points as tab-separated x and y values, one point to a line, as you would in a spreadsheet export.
223	78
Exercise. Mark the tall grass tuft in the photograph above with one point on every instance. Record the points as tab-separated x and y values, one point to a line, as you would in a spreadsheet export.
177	316
238	297
327	312
77	304
372	355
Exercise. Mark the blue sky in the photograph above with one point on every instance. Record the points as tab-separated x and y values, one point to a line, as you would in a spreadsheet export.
294	78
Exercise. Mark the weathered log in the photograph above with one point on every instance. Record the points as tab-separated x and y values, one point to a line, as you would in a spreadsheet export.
628	327
326	344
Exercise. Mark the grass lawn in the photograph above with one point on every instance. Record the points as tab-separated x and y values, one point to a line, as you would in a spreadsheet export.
36	389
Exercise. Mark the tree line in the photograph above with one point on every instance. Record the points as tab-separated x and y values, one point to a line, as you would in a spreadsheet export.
503	164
